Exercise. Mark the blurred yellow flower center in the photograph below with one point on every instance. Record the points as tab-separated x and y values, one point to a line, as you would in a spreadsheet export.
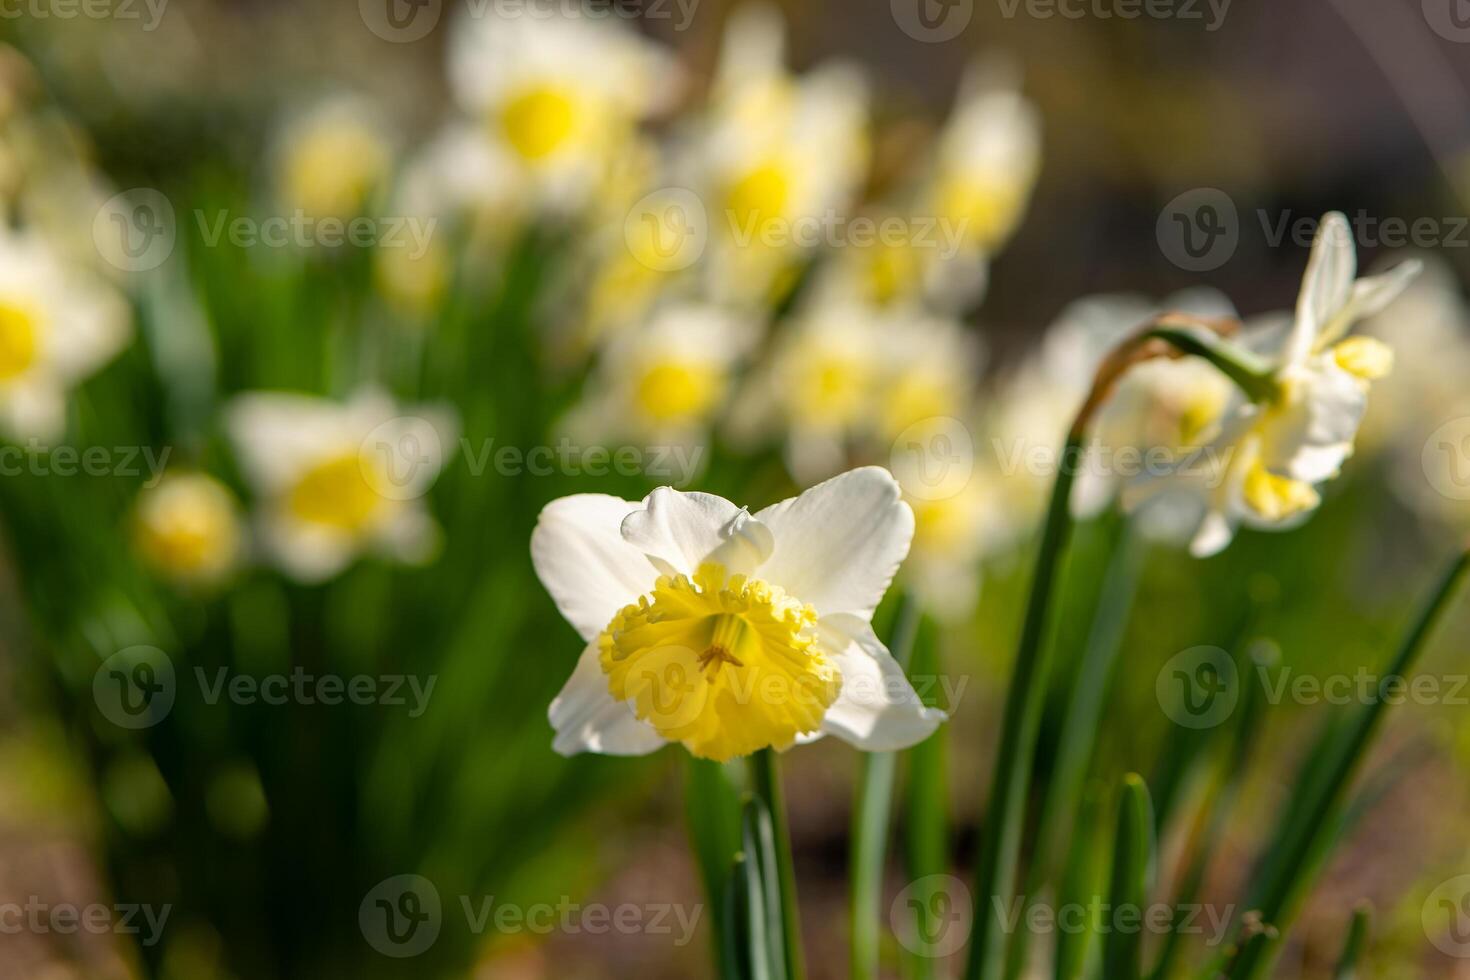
723	663
893	271
187	527
17	340
333	167
1366	357
1277	497
670	391
758	197
831	389
339	492
914	396
985	211
539	121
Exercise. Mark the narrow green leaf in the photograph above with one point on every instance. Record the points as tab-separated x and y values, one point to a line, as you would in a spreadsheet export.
1081	888
926	803
1357	941
1301	847
1214	810
1133	861
1080	724
995	872
870	823
766	785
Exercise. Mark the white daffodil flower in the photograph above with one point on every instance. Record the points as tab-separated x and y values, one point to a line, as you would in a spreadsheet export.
59	323
332	158
338	479
986	164
953	534
557	92
1297	436
729	632
188	528
776	159
664	381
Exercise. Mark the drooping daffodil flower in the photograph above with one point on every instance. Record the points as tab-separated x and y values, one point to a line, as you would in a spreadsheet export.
726	631
1304	393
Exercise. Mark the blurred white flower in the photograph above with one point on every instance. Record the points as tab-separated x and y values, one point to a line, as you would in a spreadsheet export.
331	158
556	93
952	536
188	528
59	323
338	479
986	163
728	632
1281	447
778	158
665	380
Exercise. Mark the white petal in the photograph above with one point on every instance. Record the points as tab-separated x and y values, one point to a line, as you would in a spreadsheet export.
34	407
1326	285
1309	438
309	553
583	561
1215	532
278	434
1370	296
839	543
586	718
679	530
410	536
877	710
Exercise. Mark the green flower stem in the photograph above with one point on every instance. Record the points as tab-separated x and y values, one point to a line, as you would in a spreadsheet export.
713	810
1079	728
1304	839
1250	372
766	785
871	819
995	871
